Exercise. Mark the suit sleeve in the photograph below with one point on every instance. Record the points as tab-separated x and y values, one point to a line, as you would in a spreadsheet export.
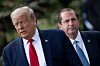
6	61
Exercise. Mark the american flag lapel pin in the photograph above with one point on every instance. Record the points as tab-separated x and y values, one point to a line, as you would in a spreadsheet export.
88	40
46	40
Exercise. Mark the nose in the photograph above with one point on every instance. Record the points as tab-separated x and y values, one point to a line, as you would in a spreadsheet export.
20	26
70	22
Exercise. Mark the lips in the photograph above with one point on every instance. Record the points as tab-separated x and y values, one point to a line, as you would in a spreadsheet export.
22	32
70	28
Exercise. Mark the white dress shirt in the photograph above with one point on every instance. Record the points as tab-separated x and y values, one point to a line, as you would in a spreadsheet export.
80	44
38	47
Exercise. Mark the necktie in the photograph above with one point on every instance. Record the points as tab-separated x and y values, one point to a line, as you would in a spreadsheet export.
32	54
81	55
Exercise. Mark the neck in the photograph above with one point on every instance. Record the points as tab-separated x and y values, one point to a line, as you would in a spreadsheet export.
72	36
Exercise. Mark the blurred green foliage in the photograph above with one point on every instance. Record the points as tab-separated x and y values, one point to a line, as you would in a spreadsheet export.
46	12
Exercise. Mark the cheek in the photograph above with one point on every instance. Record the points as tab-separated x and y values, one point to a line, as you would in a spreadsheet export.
26	27
18	31
64	27
29	28
77	25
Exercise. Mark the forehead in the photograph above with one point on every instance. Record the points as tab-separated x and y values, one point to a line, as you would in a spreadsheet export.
20	18
68	14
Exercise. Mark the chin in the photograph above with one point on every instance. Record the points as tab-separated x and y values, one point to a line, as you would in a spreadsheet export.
24	36
70	32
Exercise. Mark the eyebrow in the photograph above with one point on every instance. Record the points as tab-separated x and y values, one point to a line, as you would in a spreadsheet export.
71	19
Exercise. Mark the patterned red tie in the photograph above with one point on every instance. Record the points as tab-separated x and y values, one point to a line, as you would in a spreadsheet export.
32	54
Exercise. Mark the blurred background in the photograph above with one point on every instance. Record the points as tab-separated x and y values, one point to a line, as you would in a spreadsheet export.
46	12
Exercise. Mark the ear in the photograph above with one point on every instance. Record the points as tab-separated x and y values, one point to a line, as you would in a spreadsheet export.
35	21
60	26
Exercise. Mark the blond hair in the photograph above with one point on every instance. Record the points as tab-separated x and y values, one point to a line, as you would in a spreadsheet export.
22	11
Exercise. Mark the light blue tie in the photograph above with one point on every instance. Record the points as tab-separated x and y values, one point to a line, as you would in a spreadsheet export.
81	55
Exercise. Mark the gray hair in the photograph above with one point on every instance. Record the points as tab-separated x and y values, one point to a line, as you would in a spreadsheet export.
22	11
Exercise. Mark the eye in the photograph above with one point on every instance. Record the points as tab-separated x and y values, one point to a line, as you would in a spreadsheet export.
16	24
23	22
66	21
74	19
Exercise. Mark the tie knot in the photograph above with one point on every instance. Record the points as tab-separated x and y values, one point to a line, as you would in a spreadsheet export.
75	42
30	40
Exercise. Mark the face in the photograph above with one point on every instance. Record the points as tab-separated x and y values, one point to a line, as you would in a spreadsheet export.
69	23
25	26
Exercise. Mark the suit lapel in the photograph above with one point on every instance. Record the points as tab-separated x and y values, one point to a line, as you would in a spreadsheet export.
45	40
21	53
88	45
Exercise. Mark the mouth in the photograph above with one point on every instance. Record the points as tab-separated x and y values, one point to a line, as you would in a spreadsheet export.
22	32
70	28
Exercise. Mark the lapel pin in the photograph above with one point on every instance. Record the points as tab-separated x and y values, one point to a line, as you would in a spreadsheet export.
88	40
46	40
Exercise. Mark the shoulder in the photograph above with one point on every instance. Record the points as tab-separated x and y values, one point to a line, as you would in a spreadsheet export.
52	31
12	44
90	32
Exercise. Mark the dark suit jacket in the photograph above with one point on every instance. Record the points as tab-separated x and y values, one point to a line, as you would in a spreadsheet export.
58	51
92	43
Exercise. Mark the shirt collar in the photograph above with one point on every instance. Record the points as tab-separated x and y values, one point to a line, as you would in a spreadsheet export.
36	35
78	38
